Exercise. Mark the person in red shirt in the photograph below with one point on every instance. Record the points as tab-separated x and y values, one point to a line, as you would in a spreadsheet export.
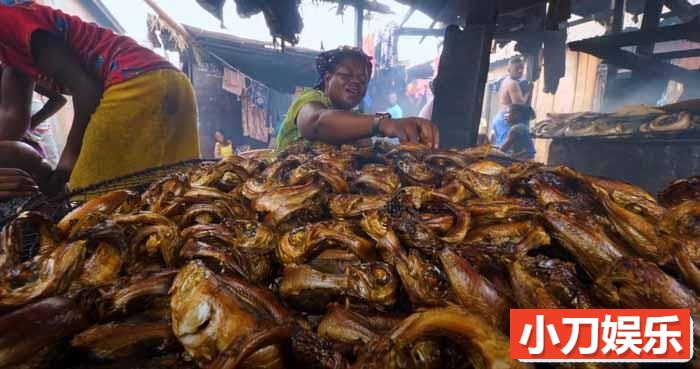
132	109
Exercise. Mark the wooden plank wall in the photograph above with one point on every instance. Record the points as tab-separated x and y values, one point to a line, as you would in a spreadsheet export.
577	90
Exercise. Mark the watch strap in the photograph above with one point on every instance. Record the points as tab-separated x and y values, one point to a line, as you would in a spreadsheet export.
378	118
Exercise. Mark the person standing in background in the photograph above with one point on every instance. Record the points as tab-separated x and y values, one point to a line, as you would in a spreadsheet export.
427	111
518	142
512	91
223	147
394	108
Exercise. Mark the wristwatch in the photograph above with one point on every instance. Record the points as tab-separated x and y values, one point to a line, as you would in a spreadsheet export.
378	118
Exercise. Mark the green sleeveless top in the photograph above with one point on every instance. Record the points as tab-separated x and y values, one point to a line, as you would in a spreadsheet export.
289	132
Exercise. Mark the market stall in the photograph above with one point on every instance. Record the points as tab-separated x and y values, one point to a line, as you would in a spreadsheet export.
327	257
643	145
373	257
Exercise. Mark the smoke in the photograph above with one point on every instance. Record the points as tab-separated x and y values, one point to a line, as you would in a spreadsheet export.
629	90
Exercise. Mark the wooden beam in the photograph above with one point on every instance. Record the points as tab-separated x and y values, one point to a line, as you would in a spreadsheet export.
681	54
424	32
459	91
372	6
652	17
481	12
684	13
689	31
359	24
177	27
682	8
617	24
643	63
509	6
618	21
432	26
407	16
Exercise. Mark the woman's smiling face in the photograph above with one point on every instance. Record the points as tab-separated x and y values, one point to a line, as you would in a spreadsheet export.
347	85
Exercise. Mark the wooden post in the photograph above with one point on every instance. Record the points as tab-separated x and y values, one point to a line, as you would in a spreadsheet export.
461	79
652	17
359	35
359	23
616	27
177	27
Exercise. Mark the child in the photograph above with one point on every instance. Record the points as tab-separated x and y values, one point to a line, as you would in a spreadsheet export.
518	142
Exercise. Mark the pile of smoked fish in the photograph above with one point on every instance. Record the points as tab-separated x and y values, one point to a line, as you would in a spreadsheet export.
339	257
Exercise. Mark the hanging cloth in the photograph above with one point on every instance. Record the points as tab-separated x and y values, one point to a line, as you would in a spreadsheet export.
254	111
233	81
254	120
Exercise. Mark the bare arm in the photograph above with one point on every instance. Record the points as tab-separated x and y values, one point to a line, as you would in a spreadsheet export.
427	111
55	103
316	122
516	94
508	143
217	151
15	103
56	59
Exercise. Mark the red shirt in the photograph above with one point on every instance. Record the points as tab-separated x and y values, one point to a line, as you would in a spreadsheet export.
106	56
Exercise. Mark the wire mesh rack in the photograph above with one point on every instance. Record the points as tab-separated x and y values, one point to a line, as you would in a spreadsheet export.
57	207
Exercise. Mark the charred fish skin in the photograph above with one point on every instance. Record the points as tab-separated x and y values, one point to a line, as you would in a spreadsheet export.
347	206
122	341
473	291
373	284
637	282
53	276
336	257
204	318
120	202
299	245
42	324
680	191
585	239
492	347
543	282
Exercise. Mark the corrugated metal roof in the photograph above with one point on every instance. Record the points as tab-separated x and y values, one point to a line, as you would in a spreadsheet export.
282	70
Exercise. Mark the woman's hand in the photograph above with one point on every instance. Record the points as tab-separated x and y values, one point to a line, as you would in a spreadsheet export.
411	130
16	183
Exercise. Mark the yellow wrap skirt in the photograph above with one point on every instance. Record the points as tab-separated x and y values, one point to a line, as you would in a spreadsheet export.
145	122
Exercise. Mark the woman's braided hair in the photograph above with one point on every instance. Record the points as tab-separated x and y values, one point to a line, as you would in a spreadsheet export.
328	61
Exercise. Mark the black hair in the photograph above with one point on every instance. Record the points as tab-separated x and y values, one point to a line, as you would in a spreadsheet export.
525	111
328	61
517	59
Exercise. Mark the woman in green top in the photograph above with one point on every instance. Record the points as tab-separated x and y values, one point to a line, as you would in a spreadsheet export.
325	113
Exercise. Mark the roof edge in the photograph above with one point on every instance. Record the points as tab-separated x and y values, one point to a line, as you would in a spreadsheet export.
103	15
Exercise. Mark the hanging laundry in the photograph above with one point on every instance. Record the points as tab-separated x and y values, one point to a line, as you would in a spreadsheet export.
233	81
254	111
